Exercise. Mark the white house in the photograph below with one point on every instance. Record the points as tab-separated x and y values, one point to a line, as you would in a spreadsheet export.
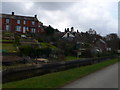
68	35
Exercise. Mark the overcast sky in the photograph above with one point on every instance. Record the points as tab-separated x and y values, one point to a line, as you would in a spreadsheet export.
101	15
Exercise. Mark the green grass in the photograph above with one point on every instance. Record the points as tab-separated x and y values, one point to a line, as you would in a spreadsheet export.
47	45
68	58
8	47
4	40
58	79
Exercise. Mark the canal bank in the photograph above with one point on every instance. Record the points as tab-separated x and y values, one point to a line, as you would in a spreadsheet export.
15	74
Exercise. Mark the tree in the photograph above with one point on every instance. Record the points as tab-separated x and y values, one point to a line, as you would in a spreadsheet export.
49	30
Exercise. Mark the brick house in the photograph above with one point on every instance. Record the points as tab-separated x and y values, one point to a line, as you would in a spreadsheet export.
16	23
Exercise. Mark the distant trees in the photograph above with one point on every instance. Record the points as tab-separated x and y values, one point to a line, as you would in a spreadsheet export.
50	30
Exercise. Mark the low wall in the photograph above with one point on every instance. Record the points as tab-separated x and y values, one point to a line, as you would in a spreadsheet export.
36	70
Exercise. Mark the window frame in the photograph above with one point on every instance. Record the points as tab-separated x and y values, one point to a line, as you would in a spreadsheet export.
7	20
33	30
18	21
18	28
7	27
33	22
24	22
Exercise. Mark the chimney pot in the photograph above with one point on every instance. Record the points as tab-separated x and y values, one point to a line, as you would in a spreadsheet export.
35	16
12	13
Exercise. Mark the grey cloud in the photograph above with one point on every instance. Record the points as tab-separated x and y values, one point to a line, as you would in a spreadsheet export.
53	6
8	7
75	19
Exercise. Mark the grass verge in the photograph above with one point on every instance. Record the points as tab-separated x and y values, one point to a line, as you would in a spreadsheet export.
55	80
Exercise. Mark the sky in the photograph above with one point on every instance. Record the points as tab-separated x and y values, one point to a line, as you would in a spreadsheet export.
100	15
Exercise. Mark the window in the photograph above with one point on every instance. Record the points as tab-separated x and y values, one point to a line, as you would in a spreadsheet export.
33	22
33	30
39	25
7	20
24	22
18	28
25	29
18	21
7	27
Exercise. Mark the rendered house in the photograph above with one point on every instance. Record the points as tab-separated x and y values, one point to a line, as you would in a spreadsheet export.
16	23
101	45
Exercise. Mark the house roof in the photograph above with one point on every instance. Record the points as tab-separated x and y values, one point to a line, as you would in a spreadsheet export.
18	17
102	41
66	35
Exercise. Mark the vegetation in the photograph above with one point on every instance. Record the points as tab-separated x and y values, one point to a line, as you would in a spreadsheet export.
50	30
3	67
55	80
17	40
26	49
47	45
44	50
4	40
7	34
68	58
8	48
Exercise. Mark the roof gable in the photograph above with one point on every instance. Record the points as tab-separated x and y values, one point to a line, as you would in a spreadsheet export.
68	34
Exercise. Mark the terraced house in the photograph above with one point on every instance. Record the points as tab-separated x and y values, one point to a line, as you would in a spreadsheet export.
16	23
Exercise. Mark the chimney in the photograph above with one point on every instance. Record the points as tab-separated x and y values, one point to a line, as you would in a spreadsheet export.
12	13
35	16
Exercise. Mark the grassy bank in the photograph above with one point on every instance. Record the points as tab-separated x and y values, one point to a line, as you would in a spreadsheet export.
69	58
58	79
9	47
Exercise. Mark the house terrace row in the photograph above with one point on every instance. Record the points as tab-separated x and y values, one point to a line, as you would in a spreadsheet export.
16	23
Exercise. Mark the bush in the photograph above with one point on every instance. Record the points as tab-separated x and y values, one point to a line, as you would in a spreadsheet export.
17	40
26	50
87	53
40	40
43	52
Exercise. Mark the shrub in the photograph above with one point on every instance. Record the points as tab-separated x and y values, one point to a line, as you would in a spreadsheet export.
87	53
26	50
17	40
